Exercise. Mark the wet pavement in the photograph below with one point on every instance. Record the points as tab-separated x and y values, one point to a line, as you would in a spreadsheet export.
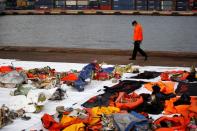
88	57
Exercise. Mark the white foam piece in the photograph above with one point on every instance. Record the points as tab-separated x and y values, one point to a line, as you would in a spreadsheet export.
6	62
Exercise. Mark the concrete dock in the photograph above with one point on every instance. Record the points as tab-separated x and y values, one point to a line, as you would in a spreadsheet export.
110	56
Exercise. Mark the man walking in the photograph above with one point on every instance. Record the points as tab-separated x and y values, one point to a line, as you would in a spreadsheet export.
137	37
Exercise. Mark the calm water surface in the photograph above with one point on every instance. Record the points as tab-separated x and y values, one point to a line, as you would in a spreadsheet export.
161	33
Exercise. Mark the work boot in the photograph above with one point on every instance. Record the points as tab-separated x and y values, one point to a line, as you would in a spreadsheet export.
132	58
57	95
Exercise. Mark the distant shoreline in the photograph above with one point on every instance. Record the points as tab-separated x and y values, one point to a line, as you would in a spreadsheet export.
97	12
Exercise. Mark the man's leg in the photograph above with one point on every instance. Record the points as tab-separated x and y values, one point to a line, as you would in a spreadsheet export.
142	52
136	47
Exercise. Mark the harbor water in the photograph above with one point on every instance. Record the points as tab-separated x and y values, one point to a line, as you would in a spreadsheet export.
161	33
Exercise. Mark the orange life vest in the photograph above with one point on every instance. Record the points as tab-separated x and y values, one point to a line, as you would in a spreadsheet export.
178	123
165	87
130	101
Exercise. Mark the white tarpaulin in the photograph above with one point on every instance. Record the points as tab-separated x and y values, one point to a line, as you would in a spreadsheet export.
74	99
